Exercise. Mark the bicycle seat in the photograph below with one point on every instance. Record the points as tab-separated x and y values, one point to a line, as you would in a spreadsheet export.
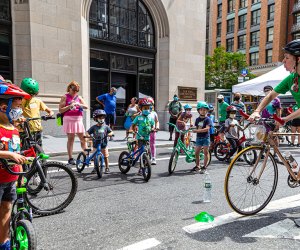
88	150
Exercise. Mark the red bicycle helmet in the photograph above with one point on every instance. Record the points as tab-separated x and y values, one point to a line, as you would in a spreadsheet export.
147	101
231	109
8	90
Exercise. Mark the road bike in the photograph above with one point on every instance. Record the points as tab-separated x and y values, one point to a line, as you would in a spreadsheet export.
128	159
249	187
84	160
189	152
22	233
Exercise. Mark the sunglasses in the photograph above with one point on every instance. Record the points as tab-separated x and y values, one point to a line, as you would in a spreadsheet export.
75	89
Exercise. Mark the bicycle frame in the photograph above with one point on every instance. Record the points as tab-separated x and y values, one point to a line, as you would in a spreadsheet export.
135	155
95	154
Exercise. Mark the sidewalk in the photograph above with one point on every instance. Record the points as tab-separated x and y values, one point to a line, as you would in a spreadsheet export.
56	146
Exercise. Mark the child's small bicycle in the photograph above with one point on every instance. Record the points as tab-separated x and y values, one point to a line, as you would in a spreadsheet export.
128	159
85	159
188	151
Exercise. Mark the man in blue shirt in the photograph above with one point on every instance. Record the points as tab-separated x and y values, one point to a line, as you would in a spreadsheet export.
109	103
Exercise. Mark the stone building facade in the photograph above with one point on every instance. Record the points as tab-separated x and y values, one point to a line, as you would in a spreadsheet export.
140	46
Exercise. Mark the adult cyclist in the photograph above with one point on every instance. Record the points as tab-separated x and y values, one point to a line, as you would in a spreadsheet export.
291	63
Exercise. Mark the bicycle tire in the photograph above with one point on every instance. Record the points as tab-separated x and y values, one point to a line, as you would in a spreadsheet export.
146	167
221	151
124	164
24	236
98	165
238	188
42	202
251	156
173	161
80	162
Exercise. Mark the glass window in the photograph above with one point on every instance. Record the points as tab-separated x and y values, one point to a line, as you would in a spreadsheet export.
146	66
243	3
5	10
4	45
219	10
296	36
218	44
269	54
270	32
99	85
254	38
255	17
229	44
146	86
254	57
242	21
231	6
230	26
271	11
121	62
242	42
255	1
297	18
219	29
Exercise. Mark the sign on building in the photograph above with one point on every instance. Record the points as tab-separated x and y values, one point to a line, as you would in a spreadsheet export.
187	93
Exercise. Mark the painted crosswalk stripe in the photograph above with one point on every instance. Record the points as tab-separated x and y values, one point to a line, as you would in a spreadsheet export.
145	244
273	206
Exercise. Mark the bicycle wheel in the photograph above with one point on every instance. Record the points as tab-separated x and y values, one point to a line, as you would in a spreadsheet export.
146	167
80	162
24	237
98	165
124	162
202	158
221	150
173	161
245	191
62	187
251	156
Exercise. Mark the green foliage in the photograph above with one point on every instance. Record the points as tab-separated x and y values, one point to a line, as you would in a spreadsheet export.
222	69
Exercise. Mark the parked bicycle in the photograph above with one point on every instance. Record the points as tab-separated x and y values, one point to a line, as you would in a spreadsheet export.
128	159
249	187
189	152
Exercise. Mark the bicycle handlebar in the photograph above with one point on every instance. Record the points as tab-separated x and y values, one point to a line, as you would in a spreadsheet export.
181	131
278	119
242	113
43	117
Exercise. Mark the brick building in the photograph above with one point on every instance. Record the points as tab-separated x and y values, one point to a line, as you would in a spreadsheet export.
258	28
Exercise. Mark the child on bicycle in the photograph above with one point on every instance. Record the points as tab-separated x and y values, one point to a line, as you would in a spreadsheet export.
10	110
231	131
203	124
143	122
154	116
32	107
100	131
184	122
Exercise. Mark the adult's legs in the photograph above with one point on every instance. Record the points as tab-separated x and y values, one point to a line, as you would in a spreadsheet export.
171	128
70	143
82	141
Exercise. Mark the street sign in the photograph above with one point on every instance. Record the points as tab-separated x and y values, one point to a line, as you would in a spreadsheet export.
244	72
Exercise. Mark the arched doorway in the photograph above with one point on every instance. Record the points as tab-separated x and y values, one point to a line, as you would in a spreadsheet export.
122	51
6	59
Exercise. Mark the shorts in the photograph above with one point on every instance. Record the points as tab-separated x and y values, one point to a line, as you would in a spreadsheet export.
200	142
8	191
104	151
296	122
110	119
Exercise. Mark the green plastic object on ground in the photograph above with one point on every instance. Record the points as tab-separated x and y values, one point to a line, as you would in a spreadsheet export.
204	217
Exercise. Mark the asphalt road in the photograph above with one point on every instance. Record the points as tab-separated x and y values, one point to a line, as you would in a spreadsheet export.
119	211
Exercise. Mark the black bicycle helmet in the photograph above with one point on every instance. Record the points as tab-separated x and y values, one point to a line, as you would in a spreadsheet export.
293	47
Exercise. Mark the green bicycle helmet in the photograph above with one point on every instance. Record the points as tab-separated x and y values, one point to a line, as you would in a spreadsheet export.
30	86
202	105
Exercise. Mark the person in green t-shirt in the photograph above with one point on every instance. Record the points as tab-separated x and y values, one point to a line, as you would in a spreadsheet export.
175	109
222	115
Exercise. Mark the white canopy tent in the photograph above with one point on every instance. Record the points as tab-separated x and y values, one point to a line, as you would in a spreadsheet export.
121	93
255	86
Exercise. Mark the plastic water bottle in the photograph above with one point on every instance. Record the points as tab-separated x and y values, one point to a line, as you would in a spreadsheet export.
288	156
207	188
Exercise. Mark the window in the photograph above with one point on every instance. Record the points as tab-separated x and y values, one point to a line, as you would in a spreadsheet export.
296	36
254	57
243	3
219	29
242	22
229	45
254	38
297	18
5	10
255	17
218	44
271	11
270	32
231	5
269	54
219	10
230	26
255	1
242	42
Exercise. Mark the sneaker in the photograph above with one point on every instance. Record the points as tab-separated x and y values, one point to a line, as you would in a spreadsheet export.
170	139
107	171
196	169
202	171
292	145
153	161
71	161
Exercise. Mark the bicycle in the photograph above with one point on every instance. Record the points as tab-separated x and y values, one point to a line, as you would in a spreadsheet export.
244	188
189	152
22	233
128	159
217	138
84	160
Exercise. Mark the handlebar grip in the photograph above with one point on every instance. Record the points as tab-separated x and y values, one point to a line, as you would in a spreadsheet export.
278	119
244	114
288	112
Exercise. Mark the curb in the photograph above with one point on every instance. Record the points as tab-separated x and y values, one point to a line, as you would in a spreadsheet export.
110	149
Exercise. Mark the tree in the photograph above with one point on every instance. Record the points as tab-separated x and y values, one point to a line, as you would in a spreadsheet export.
222	69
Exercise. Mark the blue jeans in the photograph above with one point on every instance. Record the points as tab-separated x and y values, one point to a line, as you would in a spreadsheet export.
200	142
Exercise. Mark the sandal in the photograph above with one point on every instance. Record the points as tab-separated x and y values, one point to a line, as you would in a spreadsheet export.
196	168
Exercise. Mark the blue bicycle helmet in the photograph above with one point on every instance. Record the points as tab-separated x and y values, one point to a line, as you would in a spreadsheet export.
187	106
98	112
211	107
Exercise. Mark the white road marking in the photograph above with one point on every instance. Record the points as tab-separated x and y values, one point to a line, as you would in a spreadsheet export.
288	202
145	244
284	229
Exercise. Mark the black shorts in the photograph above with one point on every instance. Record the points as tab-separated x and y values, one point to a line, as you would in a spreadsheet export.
8	191
110	119
296	122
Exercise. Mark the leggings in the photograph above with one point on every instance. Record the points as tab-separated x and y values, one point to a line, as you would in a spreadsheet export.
153	144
